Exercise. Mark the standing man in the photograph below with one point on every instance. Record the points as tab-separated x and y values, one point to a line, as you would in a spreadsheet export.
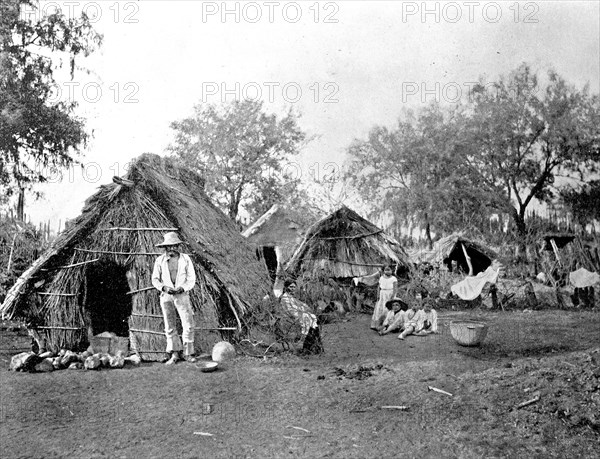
174	277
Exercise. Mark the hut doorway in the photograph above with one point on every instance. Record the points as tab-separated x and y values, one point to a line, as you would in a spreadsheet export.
106	301
479	261
269	255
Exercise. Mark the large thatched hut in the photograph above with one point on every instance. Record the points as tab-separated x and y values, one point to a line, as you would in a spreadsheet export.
96	277
275	235
345	245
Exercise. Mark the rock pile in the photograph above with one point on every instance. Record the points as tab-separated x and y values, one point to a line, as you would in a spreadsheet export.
65	359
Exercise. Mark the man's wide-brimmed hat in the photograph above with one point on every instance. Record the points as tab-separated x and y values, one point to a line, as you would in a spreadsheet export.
403	305
170	239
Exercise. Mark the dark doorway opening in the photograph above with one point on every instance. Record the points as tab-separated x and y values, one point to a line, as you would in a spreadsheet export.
106	300
479	261
270	257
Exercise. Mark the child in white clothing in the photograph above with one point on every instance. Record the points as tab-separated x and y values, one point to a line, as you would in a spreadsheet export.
423	322
387	290
429	322
395	317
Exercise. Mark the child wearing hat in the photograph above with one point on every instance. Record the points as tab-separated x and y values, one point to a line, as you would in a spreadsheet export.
395	318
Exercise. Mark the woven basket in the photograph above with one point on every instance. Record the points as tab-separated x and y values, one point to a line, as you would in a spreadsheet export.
468	333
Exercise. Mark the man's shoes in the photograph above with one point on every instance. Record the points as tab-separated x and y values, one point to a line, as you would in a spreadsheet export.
173	360
190	359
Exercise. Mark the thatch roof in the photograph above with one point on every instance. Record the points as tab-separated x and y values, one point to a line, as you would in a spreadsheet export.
121	224
344	245
449	248
560	239
275	228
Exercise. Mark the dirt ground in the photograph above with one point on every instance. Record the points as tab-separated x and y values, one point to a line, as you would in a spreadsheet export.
329	405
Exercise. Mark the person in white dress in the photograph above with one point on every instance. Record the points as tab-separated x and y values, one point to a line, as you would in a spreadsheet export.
388	285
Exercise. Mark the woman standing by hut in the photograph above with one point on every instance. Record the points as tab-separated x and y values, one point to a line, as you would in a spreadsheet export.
388	285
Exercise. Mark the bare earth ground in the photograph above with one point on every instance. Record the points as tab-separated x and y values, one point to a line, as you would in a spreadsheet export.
155	411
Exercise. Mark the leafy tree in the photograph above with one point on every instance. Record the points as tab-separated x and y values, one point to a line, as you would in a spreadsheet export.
584	202
415	173
449	168
37	134
241	151
521	138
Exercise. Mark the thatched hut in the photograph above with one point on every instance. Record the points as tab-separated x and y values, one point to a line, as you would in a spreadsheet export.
559	240
345	245
96	277
275	235
453	248
20	244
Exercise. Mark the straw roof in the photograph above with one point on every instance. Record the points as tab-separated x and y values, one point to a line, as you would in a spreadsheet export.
343	245
449	248
275	228
560	239
122	223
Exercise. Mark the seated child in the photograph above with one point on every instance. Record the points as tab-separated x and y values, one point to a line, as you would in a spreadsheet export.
396	315
429	321
423	322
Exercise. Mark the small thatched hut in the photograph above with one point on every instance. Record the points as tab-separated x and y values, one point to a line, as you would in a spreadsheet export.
560	240
452	248
96	277
275	235
345	245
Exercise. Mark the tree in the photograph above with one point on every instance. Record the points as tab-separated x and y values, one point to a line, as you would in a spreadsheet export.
511	143
241	152
415	173
37	135
584	202
520	138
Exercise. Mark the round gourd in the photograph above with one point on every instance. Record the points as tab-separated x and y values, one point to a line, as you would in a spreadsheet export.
223	351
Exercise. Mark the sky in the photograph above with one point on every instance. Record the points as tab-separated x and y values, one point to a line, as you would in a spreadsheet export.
345	66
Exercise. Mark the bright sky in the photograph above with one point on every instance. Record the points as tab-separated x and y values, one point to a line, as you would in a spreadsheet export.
345	66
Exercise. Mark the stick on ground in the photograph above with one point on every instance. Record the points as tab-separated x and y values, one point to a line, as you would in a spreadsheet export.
529	402
435	389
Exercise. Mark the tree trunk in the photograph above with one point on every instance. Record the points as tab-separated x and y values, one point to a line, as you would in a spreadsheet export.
21	205
234	205
428	232
233	211
519	219
494	295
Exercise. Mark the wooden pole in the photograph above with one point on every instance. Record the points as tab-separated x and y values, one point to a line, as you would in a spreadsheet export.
12	248
140	290
468	258
139	229
494	295
118	253
56	294
71	266
555	249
